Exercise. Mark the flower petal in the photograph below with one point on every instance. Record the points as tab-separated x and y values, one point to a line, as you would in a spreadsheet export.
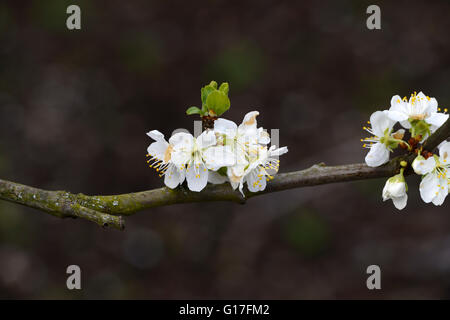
397	103
216	178
235	175
249	122
197	177
277	152
155	135
263	136
173	176
206	139
444	152
224	126
377	155
399	110
256	180
405	124
397	116
437	119
398	189
158	149
400	202
218	157
182	139
432	105
442	192
380	121
422	166
429	187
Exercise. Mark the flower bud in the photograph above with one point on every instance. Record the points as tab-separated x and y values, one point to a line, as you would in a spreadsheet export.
395	189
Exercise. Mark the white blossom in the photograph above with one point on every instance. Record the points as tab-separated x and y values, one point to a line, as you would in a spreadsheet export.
254	160
419	107
434	185
228	153
160	158
263	165
383	140
199	155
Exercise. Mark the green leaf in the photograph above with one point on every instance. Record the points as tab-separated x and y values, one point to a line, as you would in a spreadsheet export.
213	84
218	102
193	110
206	90
224	87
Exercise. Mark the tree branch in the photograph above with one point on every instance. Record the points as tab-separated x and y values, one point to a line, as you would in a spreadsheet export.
107	210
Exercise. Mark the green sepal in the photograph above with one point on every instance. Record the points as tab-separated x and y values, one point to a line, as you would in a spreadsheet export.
419	128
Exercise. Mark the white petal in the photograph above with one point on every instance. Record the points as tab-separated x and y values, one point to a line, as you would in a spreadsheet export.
263	136
380	121
173	176
216	178
444	152
218	157
206	139
405	124
155	135
249	122
377	155
396	103
442	192
182	139
432	105
235	175
247	137
180	157
183	144
278	152
224	126
441	144
423	105
397	116
429	187
256	181
197	177
422	166
429	106
399	110
385	193
437	119
400	202
158	149
397	189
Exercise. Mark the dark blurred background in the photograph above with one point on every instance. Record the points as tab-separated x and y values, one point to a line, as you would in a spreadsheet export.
75	107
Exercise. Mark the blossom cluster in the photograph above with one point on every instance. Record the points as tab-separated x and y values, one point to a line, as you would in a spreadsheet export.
225	152
421	116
